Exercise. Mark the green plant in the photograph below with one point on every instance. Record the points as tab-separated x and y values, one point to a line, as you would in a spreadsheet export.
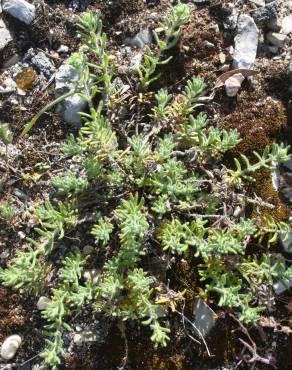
6	211
147	69
26	270
70	183
271	157
172	27
5	135
102	230
162	110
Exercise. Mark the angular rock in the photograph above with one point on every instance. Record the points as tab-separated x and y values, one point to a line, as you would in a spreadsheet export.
266	15
233	84
66	81
280	287
277	39
246	43
40	62
5	35
286	26
10	346
20	9
205	317
142	38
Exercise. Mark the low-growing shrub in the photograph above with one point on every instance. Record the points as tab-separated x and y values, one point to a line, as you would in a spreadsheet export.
165	190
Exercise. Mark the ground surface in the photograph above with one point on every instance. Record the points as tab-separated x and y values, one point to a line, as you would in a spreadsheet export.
261	112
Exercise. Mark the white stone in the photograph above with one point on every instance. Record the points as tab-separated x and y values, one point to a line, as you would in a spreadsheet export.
276	179
233	84
205	317
10	346
67	80
258	2
5	35
277	39
20	9
286	25
43	303
63	49
246	43
8	86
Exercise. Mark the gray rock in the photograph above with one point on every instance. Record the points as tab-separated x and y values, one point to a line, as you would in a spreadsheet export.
288	164
233	84
266	15
5	35
277	39
144	37
20	9
246	43
286	26
286	243
205	317
67	80
280	287
40	62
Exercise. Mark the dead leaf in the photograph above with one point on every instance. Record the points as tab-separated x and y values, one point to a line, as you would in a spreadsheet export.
245	72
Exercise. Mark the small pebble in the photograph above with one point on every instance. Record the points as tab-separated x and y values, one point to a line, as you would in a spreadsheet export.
10	346
63	49
43	303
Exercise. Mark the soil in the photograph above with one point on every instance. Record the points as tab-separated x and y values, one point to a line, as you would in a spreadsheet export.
261	112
